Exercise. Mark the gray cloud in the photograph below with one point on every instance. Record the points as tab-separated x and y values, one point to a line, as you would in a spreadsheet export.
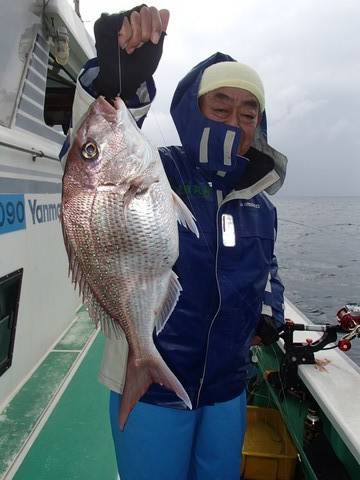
307	54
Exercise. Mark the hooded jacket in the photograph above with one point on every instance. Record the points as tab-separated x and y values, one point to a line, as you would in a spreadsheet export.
229	275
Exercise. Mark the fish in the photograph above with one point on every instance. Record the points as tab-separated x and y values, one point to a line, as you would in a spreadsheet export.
119	219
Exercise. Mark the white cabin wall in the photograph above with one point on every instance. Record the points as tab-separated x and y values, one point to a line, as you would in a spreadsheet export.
47	301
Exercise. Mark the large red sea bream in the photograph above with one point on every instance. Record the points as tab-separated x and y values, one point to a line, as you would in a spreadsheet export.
119	218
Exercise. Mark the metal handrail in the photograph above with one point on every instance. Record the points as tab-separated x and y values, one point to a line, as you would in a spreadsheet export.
34	153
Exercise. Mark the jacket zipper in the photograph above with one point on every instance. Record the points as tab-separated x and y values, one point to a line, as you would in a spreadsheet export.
217	311
229	197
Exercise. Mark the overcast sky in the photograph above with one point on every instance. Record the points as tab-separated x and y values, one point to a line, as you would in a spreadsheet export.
308	55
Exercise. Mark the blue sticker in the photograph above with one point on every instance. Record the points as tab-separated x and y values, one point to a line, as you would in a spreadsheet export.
12	213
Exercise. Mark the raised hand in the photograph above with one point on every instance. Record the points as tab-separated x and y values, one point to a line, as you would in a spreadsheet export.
142	27
118	39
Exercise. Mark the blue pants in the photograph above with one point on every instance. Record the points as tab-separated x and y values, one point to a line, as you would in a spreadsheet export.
160	443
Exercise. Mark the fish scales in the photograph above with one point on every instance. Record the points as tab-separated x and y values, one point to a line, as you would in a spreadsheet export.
135	269
119	218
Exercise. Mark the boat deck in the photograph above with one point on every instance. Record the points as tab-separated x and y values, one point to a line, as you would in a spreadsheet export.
57	425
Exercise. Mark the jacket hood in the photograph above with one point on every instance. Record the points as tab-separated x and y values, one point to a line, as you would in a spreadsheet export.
213	146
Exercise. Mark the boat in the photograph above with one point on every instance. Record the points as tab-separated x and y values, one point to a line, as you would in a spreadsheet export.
53	412
307	377
43	47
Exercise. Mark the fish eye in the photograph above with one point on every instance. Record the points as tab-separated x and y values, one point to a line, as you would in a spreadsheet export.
89	151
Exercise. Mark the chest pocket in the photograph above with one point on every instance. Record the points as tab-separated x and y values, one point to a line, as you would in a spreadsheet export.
246	251
254	218
248	233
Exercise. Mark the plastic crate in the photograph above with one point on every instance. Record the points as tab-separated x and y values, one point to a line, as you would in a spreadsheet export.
268	452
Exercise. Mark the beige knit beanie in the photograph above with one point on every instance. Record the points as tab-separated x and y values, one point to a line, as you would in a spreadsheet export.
232	74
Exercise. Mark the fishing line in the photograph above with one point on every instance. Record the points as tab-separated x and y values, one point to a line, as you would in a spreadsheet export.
286	220
323	228
251	388
119	64
183	184
286	407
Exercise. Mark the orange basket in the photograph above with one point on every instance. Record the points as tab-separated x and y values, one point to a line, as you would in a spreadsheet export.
268	452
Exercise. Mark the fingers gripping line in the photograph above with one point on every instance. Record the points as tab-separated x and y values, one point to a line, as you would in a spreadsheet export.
142	27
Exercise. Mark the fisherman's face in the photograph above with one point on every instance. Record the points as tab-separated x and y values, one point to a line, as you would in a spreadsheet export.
235	107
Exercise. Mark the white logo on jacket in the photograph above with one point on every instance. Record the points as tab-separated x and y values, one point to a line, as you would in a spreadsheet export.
250	204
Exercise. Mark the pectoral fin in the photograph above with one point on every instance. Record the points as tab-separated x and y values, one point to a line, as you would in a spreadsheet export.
184	216
168	305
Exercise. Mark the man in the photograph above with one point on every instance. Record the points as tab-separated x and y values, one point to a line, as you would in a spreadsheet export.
231	296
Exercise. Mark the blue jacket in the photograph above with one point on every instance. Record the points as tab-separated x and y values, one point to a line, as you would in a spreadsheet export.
229	275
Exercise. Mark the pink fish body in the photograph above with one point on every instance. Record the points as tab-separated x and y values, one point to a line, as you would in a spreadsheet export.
119	218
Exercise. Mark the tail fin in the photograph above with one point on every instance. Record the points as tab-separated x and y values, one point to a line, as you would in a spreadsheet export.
140	375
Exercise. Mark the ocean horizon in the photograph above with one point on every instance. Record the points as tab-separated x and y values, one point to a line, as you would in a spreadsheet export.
318	252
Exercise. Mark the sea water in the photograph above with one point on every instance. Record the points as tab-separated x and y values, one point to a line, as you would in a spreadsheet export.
318	251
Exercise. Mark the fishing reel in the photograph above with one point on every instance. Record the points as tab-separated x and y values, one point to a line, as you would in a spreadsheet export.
349	319
348	323
301	353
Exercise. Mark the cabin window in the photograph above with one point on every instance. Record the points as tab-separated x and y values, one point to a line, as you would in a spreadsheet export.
10	286
46	101
59	96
